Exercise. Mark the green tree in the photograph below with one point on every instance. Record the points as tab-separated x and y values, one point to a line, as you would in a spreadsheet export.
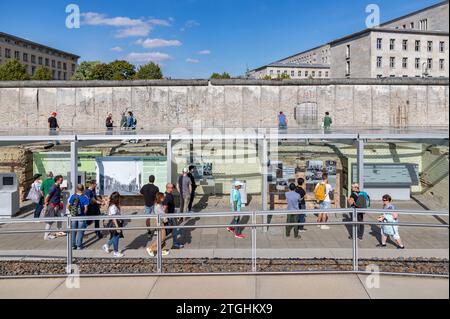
102	72
150	71
13	70
42	74
84	71
267	77
218	76
283	76
122	70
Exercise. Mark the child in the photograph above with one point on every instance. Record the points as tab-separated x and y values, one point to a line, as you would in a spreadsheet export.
116	234
152	250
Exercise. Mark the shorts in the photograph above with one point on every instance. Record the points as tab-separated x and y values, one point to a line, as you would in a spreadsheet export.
149	210
325	205
396	235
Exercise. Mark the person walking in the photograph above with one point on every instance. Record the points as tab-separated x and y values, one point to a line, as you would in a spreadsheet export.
302	203
94	206
236	204
109	122
36	195
293	200
47	184
327	122
361	200
184	187
149	192
322	193
152	249
194	187
169	208
116	223
78	206
53	127
282	121
390	218
54	208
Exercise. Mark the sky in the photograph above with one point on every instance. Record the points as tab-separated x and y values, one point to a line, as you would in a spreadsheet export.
194	38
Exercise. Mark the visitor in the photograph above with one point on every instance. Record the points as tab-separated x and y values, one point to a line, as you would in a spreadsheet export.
95	202
236	204
54	208
302	203
149	192
282	121
123	121
36	196
117	224
194	187
322	193
327	121
390	218
47	184
53	126
293	200
184	187
152	249
109	122
169	208
360	200
131	121
78	206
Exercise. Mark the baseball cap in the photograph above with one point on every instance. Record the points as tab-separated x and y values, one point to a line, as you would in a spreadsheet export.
54	113
185	170
238	183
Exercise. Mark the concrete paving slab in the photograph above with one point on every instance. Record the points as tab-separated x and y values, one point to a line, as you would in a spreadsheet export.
28	288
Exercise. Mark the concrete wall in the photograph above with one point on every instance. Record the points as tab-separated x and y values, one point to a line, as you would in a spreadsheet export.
233	103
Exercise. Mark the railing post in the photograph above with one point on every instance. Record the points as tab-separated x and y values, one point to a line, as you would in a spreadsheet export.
159	245
355	240
254	269
69	246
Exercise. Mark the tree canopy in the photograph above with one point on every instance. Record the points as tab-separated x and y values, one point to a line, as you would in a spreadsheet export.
224	75
13	70
42	74
150	71
84	71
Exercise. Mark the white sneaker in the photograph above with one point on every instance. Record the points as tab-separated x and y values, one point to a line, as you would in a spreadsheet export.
118	255
106	249
150	252
50	237
323	227
165	252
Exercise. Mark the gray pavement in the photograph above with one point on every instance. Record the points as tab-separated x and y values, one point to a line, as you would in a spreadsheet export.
216	287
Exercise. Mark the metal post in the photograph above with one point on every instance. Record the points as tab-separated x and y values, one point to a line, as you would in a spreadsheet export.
159	245
169	160
73	166
360	163
355	241
254	269
265	186
69	269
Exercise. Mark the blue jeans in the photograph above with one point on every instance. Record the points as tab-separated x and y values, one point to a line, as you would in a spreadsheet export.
77	237
114	241
38	209
236	220
148	210
175	232
302	217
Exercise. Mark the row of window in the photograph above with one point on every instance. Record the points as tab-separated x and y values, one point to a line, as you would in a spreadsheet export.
303	73
418	64
56	75
405	43
422	25
40	60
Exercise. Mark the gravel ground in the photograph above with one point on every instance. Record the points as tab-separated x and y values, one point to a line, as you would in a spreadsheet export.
105	266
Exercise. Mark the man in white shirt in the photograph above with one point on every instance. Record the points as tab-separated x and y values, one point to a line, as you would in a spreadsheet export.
325	202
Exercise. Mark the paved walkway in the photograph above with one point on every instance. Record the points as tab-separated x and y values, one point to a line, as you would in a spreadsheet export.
218	287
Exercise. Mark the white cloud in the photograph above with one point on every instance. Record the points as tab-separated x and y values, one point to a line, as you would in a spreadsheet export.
190	24
162	22
204	52
93	18
117	49
190	60
158	43
148	57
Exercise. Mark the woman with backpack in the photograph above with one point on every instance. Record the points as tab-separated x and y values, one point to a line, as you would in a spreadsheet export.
36	195
78	206
360	200
390	218
159	209
322	193
116	233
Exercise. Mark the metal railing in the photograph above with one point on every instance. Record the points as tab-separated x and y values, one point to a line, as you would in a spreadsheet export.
254	225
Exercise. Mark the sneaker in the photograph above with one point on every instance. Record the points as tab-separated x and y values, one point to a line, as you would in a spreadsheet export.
165	252
118	254
106	248
61	234
381	245
150	252
231	230
50	237
302	230
178	246
323	227
240	236
401	247
360	238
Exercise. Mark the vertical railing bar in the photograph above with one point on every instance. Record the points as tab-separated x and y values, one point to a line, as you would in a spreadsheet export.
69	256
159	245
254	268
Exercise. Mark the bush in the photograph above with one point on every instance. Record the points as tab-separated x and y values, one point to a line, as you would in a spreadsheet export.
13	70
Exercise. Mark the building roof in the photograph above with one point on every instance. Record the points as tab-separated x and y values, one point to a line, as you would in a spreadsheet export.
15	38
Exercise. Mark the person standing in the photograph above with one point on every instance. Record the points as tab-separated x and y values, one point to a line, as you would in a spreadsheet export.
293	200
36	196
361	200
194	187
282	121
302	203
149	192
184	187
391	218
169	208
123	121
47	184
53	208
152	249
94	206
116	223
236	204
53	126
327	121
109	122
322	193
78	206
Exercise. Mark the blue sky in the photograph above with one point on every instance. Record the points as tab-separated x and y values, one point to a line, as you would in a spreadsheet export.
193	38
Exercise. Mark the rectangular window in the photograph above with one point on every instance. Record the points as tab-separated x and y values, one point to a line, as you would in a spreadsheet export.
64	66
299	74
17	55
430	46
430	64
40	61
417	46
33	70
306	73
405	45
292	73
379	62
423	24
59	75
33	59
313	73
348	68
59	64
441	64
379	43
65	76
53	64
392	62
417	63
270	72
405	63
25	57
47	62
320	74
348	51
326	74
7	53
412	25
392	44
442	46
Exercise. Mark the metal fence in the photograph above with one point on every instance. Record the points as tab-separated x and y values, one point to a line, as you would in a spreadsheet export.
253	225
